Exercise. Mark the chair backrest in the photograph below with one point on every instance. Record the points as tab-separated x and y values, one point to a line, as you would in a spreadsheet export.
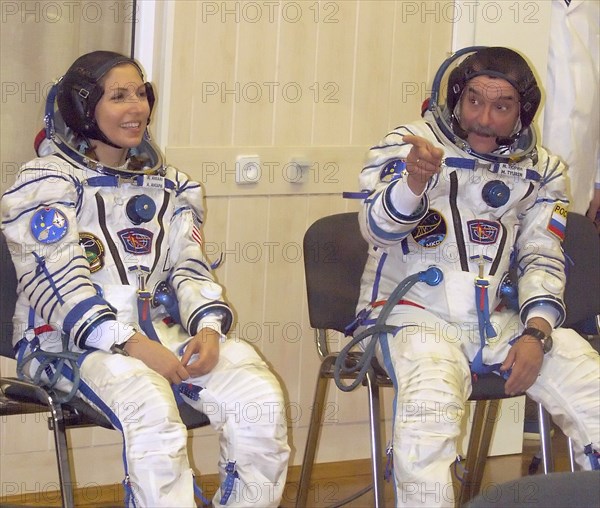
582	247
335	254
8	298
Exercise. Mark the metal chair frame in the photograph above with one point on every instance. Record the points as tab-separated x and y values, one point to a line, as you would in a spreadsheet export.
22	397
335	255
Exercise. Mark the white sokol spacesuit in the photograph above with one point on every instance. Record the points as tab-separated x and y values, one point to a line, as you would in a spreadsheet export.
478	216
102	251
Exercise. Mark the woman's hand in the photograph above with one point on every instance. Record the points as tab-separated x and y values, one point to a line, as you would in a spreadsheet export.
157	357
206	345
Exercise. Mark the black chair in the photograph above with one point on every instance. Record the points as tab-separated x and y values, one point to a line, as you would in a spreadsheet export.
21	397
334	257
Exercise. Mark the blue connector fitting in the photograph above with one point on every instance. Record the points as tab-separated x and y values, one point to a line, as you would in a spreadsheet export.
432	276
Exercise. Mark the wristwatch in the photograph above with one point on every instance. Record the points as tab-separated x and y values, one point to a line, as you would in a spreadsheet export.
119	349
545	340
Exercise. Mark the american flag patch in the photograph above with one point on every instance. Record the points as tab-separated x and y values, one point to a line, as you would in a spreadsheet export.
558	222
196	234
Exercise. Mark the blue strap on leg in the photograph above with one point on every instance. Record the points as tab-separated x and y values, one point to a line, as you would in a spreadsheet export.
129	496
460	475
388	474
51	364
191	391
199	494
486	329
593	456
227	487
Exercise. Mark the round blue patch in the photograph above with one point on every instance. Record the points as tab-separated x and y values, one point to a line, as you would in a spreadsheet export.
49	225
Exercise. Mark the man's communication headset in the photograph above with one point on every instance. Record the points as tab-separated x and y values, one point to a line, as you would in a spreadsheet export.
496	62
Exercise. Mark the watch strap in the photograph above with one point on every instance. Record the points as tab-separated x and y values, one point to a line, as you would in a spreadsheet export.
534	332
119	349
545	340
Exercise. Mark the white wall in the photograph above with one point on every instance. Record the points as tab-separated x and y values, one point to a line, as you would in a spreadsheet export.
522	25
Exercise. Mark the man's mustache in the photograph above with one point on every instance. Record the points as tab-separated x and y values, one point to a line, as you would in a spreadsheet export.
480	130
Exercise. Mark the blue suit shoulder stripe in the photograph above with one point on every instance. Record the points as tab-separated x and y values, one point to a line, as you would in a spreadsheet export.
382	234
33	181
382	164
183	270
40	279
180	210
404	128
55	301
68	204
84	284
49	294
198	262
380	148
182	280
190	184
76	263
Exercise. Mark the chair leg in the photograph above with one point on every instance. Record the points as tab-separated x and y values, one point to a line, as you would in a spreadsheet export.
484	419
314	430
57	424
375	424
545	439
571	455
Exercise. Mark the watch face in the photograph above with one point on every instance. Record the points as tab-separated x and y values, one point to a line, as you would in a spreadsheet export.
547	344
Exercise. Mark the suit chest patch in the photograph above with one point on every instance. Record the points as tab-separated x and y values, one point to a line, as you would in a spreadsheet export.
483	232
137	241
94	250
431	231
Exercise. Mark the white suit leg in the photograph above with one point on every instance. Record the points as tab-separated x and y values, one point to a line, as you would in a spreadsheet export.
433	380
155	438
569	388
244	402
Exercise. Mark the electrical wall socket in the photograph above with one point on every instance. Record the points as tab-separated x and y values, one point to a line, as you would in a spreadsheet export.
247	169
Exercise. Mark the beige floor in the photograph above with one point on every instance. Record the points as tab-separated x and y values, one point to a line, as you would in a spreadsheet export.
331	482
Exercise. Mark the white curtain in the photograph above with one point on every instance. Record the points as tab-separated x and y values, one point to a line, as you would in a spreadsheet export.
38	42
572	114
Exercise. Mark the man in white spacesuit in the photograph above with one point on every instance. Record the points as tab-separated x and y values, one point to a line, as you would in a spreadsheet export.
467	190
107	245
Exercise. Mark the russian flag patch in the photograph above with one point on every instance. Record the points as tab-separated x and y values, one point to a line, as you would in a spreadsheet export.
558	222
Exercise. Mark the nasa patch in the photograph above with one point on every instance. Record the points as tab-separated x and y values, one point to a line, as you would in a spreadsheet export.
431	231
483	232
49	225
94	250
137	241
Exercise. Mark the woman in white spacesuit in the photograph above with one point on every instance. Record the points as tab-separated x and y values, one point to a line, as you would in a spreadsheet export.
467	190
106	241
